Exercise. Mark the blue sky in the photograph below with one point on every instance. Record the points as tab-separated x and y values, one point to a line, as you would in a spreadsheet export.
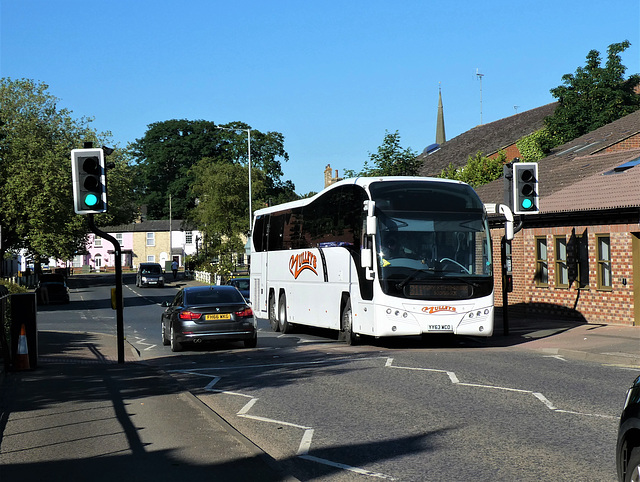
332	76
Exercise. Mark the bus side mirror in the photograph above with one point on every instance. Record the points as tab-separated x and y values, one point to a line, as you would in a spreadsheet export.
372	222
366	258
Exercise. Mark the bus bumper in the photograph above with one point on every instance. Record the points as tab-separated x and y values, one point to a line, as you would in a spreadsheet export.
475	322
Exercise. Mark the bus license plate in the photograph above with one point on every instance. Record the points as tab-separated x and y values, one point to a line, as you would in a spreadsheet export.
223	316
440	328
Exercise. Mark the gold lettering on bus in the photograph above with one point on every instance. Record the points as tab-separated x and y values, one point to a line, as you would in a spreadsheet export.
436	309
299	262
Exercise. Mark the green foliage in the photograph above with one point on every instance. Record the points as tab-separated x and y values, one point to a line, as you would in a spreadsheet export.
13	288
536	146
594	96
223	194
222	212
390	160
167	152
479	170
36	138
120	191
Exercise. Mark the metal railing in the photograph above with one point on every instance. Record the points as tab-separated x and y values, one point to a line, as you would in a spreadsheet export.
5	352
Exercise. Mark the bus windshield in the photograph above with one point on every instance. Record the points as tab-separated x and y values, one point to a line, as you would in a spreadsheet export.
431	234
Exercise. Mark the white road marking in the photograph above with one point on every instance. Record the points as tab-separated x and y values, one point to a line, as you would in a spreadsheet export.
346	467
307	436
454	380
557	357
305	443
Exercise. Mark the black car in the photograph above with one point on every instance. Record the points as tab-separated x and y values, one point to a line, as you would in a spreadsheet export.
150	274
207	313
52	288
628	448
243	286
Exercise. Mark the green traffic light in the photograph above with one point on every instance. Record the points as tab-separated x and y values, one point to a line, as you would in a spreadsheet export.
527	204
91	200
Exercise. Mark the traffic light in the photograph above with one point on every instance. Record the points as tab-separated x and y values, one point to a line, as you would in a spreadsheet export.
525	188
89	181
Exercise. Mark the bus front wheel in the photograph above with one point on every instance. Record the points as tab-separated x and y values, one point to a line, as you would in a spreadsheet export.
285	326
273	316
346	325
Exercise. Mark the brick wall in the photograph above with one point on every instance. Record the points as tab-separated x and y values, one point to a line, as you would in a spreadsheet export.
615	305
510	151
631	142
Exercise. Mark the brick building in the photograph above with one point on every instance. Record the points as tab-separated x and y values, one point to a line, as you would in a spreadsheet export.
580	256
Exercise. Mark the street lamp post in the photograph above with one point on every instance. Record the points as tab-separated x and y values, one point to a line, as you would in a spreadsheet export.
248	131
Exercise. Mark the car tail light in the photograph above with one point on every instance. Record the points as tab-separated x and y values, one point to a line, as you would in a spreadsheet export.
189	315
244	313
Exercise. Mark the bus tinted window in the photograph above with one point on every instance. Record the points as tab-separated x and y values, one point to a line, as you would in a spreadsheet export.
259	243
425	196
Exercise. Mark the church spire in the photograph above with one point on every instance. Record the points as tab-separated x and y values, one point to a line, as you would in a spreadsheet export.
440	135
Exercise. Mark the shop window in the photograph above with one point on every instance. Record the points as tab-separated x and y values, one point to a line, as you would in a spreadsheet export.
542	266
603	253
562	269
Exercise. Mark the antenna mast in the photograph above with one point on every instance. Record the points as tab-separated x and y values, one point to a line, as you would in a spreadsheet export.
479	76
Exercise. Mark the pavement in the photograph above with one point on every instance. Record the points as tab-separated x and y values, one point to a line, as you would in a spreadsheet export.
80	415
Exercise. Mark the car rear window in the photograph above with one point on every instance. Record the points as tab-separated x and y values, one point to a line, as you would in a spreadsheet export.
242	284
213	297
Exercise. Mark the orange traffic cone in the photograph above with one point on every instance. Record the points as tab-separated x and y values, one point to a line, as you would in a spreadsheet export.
22	360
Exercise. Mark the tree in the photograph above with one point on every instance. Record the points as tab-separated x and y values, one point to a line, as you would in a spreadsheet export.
390	160
36	139
222	211
594	96
167	152
122	206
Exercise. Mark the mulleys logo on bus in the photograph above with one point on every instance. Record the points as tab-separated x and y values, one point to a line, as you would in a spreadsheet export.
437	309
299	262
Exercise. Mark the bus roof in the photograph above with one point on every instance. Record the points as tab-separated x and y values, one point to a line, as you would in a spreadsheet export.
360	181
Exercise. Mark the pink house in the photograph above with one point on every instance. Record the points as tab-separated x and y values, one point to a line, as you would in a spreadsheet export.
100	254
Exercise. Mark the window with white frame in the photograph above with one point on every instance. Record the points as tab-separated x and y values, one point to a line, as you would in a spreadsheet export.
151	239
603	245
562	269
119	238
151	259
97	242
188	237
542	268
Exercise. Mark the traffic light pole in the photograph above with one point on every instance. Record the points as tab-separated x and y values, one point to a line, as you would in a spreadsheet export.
119	305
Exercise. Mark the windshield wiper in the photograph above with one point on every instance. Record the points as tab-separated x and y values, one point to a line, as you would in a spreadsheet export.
464	280
402	284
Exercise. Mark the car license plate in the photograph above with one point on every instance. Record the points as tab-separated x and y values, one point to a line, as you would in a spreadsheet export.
222	316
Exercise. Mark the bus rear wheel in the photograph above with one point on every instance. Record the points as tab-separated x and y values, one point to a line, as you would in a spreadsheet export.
273	317
346	325
285	326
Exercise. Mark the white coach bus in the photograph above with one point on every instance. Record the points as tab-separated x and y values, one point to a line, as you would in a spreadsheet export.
388	256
